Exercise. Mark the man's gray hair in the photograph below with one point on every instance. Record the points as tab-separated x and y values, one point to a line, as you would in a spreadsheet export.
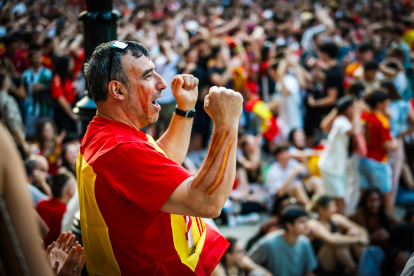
96	70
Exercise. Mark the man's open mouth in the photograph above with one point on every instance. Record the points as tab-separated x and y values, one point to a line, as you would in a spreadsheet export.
154	102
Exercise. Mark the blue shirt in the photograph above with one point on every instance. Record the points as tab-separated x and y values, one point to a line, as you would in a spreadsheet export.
399	113
283	259
37	195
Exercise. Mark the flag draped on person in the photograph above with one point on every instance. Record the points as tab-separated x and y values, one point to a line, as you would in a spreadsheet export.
122	186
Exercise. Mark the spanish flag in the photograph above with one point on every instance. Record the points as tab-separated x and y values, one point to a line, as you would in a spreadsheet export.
269	123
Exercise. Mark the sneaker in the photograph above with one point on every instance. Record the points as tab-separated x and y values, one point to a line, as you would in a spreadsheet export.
250	218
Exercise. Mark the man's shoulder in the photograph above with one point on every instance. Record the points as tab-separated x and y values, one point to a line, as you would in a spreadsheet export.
303	240
272	238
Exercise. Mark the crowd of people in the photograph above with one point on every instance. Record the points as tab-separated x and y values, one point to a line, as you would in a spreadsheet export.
325	143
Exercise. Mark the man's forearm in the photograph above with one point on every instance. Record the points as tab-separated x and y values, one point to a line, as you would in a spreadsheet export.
214	181
176	139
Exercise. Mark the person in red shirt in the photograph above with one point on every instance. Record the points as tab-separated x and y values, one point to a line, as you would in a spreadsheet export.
52	210
16	55
62	91
375	170
141	212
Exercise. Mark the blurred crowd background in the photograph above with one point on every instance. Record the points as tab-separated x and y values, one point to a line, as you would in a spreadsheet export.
326	145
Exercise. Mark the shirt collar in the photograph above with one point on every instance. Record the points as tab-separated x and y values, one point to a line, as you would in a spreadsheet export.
105	121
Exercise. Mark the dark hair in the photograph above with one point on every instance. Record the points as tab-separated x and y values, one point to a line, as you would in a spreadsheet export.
363	206
96	70
47	41
392	65
274	65
189	50
364	47
357	89
393	94
345	31
397	31
199	41
322	202
13	38
396	53
65	163
2	78
344	103
215	51
62	67
281	148
329	48
291	137
371	65
58	183
290	214
377	96
232	241
30	166
40	125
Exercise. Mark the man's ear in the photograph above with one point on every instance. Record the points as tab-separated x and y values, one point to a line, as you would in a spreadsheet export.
116	90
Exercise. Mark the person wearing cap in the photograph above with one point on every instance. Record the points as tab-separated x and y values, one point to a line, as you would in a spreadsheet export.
339	147
141	212
287	252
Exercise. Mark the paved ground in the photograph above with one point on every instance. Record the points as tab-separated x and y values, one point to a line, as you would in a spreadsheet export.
245	232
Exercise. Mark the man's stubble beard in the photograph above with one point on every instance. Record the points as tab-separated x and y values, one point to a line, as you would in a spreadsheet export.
138	111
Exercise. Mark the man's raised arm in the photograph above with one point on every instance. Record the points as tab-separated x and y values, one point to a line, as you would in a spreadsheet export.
204	194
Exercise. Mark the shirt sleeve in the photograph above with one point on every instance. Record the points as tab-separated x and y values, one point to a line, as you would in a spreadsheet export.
147	178
385	134
56	88
332	81
342	124
258	254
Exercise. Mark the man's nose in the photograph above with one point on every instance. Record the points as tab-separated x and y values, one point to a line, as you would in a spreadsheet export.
161	84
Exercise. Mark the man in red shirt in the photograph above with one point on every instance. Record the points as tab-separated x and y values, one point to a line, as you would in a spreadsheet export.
141	211
375	169
51	210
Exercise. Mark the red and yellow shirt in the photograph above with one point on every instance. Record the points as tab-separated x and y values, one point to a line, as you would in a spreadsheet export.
377	131
124	179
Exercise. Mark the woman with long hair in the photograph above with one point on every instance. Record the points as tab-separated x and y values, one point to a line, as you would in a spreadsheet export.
335	238
62	91
401	124
372	216
235	262
49	143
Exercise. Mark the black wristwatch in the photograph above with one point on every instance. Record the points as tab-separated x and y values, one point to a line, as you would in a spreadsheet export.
185	114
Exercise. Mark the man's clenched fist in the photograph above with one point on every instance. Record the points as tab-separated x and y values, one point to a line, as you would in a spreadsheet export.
224	106
185	91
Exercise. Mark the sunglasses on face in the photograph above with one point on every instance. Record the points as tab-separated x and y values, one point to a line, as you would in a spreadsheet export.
115	45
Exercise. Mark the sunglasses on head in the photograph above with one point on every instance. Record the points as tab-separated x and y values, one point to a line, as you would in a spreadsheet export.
116	44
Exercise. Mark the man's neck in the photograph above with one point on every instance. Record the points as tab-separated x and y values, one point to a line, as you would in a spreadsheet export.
290	238
376	110
331	63
118	119
36	68
283	164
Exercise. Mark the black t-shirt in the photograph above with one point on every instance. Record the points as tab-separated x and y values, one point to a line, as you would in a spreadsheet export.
334	79
219	71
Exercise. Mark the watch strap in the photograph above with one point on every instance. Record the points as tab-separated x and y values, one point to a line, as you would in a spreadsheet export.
185	114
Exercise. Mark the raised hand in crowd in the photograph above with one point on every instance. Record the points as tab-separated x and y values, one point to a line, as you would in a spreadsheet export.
65	258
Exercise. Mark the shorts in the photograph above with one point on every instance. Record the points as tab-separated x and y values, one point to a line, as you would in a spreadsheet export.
375	174
335	185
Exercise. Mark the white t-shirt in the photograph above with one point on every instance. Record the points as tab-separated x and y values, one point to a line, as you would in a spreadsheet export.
277	175
290	113
334	156
167	71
